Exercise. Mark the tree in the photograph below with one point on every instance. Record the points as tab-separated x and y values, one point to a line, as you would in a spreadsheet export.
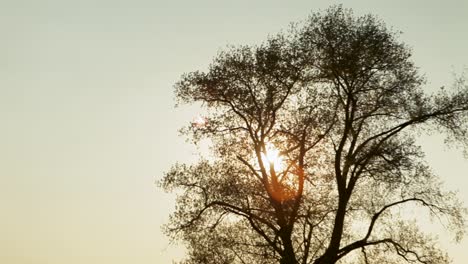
314	153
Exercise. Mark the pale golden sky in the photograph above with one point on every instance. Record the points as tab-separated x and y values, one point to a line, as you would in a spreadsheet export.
88	123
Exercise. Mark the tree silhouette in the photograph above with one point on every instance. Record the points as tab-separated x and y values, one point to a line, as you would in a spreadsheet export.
339	100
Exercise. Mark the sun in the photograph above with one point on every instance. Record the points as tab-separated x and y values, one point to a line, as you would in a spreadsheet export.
272	156
199	121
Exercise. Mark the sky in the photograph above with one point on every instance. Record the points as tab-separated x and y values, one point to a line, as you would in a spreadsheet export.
88	123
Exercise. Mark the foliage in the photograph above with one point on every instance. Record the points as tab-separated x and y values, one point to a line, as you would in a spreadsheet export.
340	99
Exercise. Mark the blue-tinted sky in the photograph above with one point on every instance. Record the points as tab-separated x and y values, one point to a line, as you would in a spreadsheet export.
88	120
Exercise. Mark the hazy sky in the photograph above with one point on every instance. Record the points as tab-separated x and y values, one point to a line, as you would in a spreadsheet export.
88	120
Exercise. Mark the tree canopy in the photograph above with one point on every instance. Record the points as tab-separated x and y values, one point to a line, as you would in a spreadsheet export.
313	150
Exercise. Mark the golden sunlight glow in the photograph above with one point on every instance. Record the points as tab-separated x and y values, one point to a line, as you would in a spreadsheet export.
272	156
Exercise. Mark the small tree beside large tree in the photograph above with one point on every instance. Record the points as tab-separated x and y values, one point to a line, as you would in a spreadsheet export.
314	155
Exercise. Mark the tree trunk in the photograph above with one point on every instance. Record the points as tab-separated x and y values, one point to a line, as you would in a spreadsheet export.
329	257
288	256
